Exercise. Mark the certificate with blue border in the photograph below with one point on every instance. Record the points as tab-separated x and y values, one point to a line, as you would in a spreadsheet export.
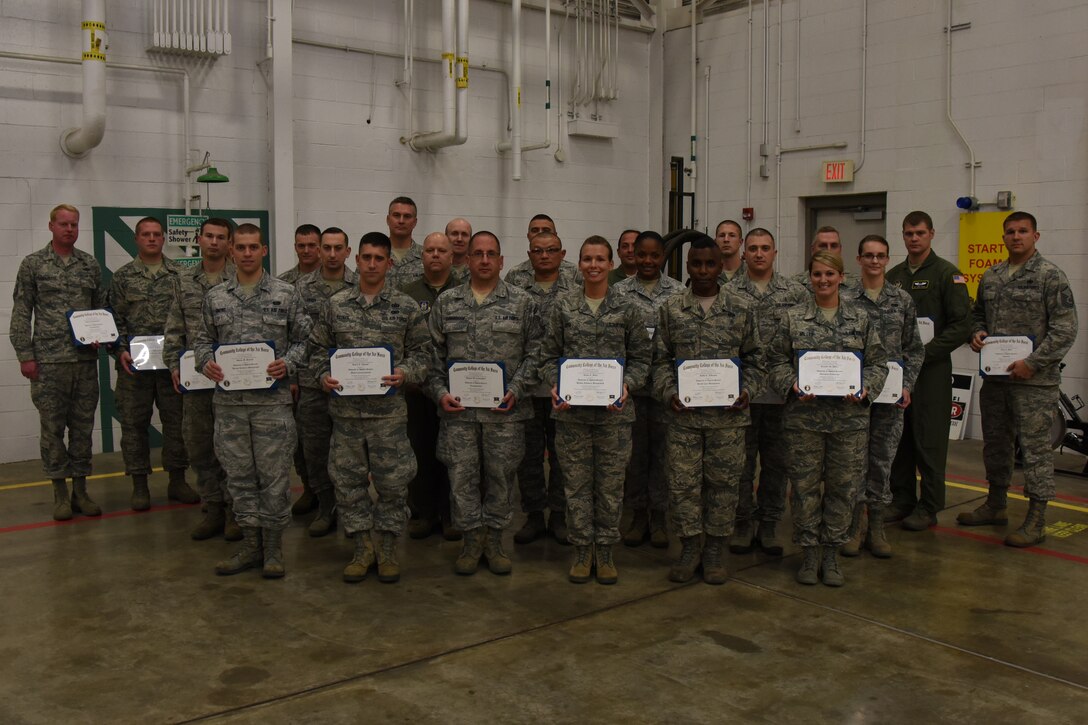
245	365
477	383
591	381
832	373
359	370
708	383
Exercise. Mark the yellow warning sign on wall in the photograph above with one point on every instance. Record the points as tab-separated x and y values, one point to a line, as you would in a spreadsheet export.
980	245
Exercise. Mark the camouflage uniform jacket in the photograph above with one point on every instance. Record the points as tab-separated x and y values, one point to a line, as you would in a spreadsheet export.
392	319
1037	301
617	330
46	289
406	269
505	328
769	307
739	273
939	291
291	276
522	275
141	302
727	330
315	296
545	299
897	323
273	312
186	313
631	290
805	328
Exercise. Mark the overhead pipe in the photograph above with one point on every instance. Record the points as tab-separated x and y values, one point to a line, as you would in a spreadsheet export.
76	142
515	90
462	69
764	149
864	80
971	164
748	156
706	150
694	92
504	146
797	75
448	135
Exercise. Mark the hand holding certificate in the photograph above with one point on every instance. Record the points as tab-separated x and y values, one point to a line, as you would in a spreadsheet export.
146	352
477	384
361	371
893	386
245	365
90	327
708	383
189	378
829	373
591	381
999	352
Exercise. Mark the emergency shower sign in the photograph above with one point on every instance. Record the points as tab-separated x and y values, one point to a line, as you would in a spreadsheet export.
182	232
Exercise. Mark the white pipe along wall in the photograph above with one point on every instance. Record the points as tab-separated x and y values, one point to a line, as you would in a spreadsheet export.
504	146
449	135
76	142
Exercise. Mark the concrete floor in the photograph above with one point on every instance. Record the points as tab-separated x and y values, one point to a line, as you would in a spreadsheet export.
121	620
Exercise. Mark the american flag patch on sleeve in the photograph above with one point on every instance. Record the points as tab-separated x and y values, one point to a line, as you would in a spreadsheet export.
959	279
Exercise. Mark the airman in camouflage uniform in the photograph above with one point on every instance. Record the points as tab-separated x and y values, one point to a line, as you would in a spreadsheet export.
594	443
312	414
407	255
522	275
369	435
484	320
251	425
540	492
645	490
63	376
140	295
827	239
892	310
827	435
729	237
308	251
705	444
760	510
1024	295
458	231
183	320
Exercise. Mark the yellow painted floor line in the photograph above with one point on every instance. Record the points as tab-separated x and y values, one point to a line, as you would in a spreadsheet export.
95	477
1053	504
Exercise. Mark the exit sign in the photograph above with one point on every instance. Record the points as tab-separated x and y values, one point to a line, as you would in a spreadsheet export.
838	172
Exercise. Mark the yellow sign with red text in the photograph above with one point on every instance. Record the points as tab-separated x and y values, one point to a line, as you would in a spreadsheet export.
980	245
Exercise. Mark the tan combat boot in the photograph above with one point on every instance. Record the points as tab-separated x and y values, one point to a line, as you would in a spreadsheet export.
247	556
325	521
993	511
741	540
857	530
829	569
684	568
212	524
768	538
388	566
231	530
1033	530
178	489
606	567
362	559
809	573
875	539
306	502
714	571
472	548
497	560
62	506
659	531
273	554
581	564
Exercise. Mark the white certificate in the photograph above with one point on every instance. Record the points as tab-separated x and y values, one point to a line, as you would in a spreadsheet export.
893	386
91	326
925	329
245	365
189	377
705	383
475	384
146	352
1000	351
831	373
359	370
590	381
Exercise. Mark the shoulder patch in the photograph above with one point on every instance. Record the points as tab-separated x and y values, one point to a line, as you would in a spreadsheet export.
959	279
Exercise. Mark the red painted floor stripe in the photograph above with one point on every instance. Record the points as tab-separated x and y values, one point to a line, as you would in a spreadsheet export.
1017	489
995	541
80	519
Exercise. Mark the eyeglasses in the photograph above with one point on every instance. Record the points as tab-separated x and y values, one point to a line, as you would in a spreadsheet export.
878	257
485	255
538	251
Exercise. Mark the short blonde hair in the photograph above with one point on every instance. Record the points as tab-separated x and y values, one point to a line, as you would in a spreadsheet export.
827	259
60	208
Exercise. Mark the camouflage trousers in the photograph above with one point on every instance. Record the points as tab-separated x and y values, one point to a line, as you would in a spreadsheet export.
66	396
315	432
704	467
594	458
1014	409
885	430
365	448
837	460
645	486
137	395
539	492
198	429
253	444
764	439
482	460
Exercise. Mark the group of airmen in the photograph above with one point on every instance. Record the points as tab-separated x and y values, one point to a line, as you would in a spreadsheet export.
849	464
